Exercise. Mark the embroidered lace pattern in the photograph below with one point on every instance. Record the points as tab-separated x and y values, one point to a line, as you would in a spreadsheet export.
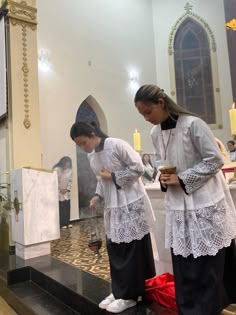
127	176
195	177
200	232
127	223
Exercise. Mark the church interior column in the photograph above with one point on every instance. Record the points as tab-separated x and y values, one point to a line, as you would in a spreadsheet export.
22	79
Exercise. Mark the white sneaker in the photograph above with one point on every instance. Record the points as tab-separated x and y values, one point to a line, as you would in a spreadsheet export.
120	305
108	300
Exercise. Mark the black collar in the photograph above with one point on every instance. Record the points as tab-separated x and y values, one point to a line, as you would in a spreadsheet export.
100	147
169	123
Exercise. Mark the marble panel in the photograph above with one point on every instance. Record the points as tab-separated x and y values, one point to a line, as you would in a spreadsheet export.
35	194
32	251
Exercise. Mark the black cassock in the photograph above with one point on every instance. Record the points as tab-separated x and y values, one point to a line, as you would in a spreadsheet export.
130	265
216	274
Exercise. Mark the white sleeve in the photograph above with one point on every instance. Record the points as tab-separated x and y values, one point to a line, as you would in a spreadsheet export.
131	160
69	185
99	189
212	161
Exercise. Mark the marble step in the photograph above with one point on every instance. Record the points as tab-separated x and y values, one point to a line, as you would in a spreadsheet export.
46	295
67	293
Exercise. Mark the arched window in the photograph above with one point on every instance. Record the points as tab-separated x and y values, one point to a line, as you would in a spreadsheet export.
86	113
89	110
193	71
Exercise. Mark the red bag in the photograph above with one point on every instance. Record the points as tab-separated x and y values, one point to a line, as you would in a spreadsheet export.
161	289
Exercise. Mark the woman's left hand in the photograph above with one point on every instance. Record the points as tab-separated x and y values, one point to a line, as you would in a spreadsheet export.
105	174
169	179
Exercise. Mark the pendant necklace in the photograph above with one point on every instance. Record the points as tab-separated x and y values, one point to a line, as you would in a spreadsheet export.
167	143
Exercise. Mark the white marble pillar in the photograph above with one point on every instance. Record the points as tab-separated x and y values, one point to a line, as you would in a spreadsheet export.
35	213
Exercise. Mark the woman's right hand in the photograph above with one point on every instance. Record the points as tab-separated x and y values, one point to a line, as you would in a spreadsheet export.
94	201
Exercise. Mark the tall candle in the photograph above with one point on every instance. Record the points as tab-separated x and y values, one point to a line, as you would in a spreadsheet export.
232	116
137	140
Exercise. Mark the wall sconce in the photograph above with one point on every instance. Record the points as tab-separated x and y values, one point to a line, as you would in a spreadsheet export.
44	64
134	85
231	25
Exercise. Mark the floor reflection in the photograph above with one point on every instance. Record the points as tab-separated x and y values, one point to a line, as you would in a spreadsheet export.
72	248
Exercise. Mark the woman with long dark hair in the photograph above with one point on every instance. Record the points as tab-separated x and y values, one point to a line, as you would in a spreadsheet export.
64	173
149	171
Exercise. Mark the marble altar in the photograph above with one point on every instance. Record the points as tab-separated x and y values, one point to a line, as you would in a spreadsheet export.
35	211
163	257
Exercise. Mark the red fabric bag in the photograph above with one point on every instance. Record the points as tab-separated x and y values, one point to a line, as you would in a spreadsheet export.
161	289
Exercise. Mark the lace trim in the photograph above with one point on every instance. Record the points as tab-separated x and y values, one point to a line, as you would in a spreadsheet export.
128	223
127	176
200	232
195	177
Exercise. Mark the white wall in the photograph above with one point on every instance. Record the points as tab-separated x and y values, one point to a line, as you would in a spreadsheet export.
165	15
92	47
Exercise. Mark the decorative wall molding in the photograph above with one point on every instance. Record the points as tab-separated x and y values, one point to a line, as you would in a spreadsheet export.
190	14
25	71
20	14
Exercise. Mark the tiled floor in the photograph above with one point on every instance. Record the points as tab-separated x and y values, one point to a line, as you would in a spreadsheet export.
73	249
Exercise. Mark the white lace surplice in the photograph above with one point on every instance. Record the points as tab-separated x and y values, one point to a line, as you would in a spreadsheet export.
202	221
127	210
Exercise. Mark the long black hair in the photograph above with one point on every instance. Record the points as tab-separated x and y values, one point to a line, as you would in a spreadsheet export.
149	162
63	162
151	93
82	128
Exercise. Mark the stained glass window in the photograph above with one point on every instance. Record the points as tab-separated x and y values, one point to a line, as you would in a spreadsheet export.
86	113
193	72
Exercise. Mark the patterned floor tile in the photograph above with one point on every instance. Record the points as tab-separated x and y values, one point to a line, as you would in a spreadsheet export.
72	248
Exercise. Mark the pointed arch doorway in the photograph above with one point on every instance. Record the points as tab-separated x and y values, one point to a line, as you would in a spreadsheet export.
89	110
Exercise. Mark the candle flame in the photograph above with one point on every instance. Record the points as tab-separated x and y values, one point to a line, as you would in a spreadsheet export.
231	25
233	105
135	130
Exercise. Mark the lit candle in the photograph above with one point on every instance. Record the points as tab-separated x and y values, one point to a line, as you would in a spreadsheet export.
137	140
232	116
